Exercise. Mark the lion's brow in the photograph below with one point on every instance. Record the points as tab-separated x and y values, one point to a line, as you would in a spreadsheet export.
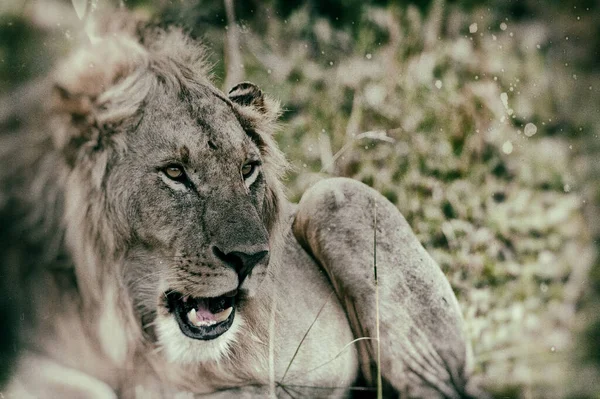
204	126
209	131
184	153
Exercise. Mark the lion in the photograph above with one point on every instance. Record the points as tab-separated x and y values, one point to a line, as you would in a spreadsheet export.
156	255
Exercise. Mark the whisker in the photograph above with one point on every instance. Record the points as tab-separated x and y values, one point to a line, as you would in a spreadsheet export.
138	258
150	324
144	277
156	350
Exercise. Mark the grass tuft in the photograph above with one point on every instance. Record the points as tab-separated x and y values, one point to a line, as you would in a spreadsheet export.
379	384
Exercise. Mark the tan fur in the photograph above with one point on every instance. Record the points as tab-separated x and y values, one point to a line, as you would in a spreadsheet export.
351	230
97	325
90	325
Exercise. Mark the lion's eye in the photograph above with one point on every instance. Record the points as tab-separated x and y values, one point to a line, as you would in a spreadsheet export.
247	170
250	172
174	172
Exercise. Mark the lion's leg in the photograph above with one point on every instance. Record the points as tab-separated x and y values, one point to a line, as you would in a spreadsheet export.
40	377
423	348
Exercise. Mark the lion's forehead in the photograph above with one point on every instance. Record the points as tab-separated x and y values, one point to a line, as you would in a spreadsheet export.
197	129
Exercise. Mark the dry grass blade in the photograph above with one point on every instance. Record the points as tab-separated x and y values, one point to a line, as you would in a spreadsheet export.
324	388
304	337
233	58
325	151
82	8
272	345
286	390
380	135
338	354
379	384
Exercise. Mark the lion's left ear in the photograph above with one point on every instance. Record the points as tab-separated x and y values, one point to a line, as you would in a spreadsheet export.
258	116
252	100
247	94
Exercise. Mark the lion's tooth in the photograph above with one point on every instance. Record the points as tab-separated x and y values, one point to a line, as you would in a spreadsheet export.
222	316
205	323
218	317
192	317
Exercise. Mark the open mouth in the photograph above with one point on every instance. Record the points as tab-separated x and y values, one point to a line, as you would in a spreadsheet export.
202	318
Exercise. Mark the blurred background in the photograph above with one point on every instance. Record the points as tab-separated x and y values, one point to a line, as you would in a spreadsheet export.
480	120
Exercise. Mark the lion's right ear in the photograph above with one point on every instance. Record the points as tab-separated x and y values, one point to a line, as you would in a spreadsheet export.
94	90
77	105
73	122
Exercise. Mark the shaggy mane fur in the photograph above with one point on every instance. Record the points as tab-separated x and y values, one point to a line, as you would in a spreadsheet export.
60	239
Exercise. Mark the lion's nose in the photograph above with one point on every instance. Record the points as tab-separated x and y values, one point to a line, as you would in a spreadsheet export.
242	262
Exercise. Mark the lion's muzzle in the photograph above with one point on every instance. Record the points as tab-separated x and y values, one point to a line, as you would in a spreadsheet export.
240	241
244	262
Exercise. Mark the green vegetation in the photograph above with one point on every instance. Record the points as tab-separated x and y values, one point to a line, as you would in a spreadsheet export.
478	119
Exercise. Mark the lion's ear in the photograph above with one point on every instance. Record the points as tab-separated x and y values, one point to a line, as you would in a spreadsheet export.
96	89
73	120
257	110
247	94
250	95
78	105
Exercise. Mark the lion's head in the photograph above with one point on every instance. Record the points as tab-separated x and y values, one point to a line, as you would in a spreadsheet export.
172	188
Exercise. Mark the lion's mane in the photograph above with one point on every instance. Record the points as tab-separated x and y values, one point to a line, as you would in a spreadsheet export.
61	242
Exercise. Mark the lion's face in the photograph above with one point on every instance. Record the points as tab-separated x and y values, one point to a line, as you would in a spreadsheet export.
187	187
195	203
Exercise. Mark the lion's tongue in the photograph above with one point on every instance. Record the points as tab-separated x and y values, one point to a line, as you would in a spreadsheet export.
201	316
